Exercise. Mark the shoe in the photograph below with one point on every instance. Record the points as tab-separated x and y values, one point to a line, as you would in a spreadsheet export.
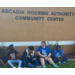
38	66
44	66
63	62
55	65
59	62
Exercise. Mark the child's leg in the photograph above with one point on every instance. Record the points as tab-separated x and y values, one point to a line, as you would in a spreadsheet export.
64	58
24	63
19	63
55	60
35	62
51	61
42	61
10	63
2	63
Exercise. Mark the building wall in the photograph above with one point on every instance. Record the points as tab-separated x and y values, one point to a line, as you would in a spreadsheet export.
12	30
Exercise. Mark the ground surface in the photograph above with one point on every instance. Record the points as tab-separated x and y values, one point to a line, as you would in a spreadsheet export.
68	64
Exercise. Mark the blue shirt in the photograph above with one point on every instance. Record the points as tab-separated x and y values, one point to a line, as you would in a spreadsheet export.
44	51
58	53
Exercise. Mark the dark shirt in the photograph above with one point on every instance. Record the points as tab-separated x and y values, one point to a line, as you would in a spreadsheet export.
12	54
27	59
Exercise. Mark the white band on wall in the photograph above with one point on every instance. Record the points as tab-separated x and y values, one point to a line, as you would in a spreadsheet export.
36	43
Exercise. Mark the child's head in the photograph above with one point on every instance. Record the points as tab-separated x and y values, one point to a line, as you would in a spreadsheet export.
31	48
58	47
11	47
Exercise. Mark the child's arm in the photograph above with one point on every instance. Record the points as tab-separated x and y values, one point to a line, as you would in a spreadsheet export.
34	58
58	58
25	57
2	62
8	56
49	54
61	55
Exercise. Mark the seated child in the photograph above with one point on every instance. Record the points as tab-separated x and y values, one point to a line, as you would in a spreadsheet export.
58	55
28	58
12	57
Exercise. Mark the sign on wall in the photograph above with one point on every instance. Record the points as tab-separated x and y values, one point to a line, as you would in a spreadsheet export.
38	13
37	24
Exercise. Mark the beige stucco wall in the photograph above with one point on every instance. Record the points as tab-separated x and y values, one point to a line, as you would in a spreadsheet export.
12	30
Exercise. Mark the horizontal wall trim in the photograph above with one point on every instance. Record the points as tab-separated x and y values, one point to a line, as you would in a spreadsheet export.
35	43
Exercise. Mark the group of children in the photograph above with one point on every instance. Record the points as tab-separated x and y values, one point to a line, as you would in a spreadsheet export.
28	58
